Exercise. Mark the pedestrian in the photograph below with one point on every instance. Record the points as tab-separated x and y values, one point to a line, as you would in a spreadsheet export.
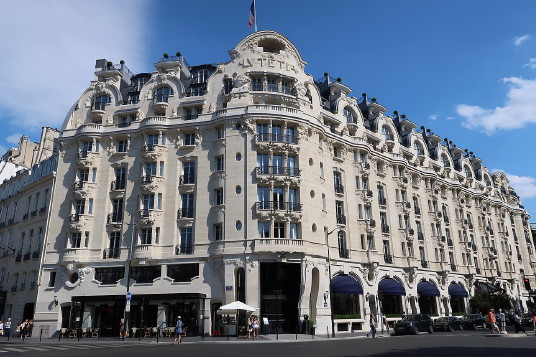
534	321
30	327
385	323
256	325
178	330
122	329
492	321
7	328
250	326
372	325
1	327
517	323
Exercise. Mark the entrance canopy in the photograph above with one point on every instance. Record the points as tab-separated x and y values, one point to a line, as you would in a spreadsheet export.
456	290
426	288
345	284
237	305
391	287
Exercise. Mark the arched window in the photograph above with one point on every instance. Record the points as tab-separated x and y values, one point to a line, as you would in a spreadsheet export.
162	94
343	251
349	115
446	161
468	172
387	134
241	285
418	148
488	181
99	103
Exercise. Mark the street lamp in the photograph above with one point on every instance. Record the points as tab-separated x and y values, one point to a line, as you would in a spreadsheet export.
129	261
329	277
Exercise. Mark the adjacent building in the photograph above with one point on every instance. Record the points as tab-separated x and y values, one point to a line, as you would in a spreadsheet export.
190	187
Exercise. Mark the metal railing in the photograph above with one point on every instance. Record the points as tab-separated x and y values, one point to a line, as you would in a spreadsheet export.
277	138
341	219
161	98
339	188
35	254
269	87
382	201
344	253
388	259
385	228
420	235
147	179
115	217
185	213
111	253
187	179
417	211
279	206
424	264
118	185
278	171
27	256
184	249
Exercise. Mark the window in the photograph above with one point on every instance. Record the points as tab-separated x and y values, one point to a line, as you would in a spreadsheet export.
350	118
188	172
218	231
148	202
120	178
197	91
83	175
220	133
186	237
418	148
193	113
220	163
264	229
370	242
279	229
117	210
200	76
189	139
387	134
52	279
218	193
294	231
228	86
162	94
188	205
146	236
109	275
256	84
99	103
122	145
76	238
79	207
145	274
183	272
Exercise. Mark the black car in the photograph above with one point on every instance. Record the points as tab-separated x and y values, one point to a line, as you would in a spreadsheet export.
526	320
472	321
413	324
448	323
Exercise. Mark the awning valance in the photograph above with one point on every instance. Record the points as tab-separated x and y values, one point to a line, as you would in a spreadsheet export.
456	290
426	288
391	287
345	284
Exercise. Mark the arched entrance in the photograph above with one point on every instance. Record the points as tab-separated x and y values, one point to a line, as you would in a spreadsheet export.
457	298
390	294
428	294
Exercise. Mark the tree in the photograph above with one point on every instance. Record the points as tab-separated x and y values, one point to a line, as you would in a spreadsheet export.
482	302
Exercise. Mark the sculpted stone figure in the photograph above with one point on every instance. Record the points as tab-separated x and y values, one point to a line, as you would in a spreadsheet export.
240	83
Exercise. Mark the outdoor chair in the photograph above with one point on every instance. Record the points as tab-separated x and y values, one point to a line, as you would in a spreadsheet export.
63	332
95	333
73	333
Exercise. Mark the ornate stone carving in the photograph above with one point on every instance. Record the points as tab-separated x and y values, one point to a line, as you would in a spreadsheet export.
240	83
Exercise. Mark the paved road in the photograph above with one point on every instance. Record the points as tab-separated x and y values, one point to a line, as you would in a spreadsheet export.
456	344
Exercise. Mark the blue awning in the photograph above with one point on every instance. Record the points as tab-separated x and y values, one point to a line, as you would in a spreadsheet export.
456	290
345	284
391	287
426	288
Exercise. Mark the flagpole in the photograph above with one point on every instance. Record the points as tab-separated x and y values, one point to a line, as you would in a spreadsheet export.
255	7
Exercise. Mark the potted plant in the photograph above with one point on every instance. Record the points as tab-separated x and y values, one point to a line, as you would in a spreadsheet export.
166	55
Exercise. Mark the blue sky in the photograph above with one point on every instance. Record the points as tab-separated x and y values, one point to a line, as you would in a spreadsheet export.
465	69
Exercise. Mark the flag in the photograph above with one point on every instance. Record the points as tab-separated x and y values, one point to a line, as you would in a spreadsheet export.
252	14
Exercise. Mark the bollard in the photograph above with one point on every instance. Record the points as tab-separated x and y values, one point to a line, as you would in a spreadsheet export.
139	335
78	334
296	332
203	333
23	336
157	334
59	335
98	335
327	331
40	335
227	332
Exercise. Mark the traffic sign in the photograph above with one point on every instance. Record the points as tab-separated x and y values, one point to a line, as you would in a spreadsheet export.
127	308
129	296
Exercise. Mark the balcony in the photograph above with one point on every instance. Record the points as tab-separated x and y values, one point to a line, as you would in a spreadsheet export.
82	189
18	257
152	152
35	254
271	171
86	158
142	251
264	207
25	216
388	259
267	138
27	256
274	245
478	271
111	253
42	209
187	179
372	223
420	236
186	213
385	228
97	110
424	264
382	201
160	102
116	217
453	267
339	189
147	217
184	249
344	253
150	183
118	185
341	219
417	211
78	221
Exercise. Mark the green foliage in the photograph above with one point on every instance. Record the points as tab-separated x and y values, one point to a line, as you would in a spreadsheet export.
393	315
166	55
458	313
482	302
349	316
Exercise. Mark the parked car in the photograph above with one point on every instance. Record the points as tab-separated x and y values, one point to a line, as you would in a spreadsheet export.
413	324
472	321
448	323
526	319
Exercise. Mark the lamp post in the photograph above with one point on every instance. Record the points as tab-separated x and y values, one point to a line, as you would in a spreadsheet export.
329	277
129	261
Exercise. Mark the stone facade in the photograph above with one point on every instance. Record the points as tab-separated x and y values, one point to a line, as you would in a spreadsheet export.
250	180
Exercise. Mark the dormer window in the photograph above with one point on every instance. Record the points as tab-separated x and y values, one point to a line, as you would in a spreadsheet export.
349	115
468	172
200	76
418	148
100	102
445	159
387	134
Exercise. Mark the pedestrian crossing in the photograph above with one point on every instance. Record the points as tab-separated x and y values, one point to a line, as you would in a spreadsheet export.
20	348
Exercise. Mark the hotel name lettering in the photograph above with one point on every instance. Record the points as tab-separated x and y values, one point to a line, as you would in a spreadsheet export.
268	63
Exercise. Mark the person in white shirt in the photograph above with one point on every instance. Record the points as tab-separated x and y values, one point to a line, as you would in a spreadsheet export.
1	327
7	328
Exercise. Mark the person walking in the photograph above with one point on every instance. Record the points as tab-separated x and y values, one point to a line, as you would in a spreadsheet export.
7	328
517	323
179	328
250	326
385	323
256	325
373	325
122	329
492	321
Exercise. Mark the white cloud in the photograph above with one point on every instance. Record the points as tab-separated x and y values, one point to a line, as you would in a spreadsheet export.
518	40
532	63
525	186
14	138
433	117
518	111
49	50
